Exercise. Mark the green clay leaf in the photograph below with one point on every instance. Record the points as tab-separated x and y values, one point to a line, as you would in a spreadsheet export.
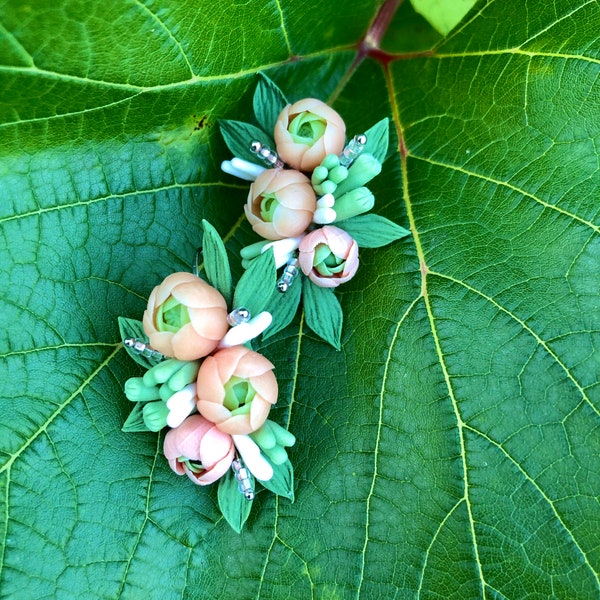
282	482
216	262
268	102
234	506
257	285
372	231
323	312
239	136
135	421
132	328
378	138
284	307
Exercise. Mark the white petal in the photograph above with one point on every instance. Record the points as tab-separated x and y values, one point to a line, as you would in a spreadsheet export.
227	167
326	201
282	249
181	404
244	332
251	169
251	455
323	216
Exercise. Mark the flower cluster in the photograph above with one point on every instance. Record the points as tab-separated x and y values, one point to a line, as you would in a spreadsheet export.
316	181
210	390
308	202
203	382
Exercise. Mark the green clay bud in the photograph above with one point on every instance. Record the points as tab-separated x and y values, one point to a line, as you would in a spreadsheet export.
282	435
252	251
163	371
331	161
362	170
356	202
264	436
319	175
327	187
137	391
185	375
165	392
338	174
155	415
277	455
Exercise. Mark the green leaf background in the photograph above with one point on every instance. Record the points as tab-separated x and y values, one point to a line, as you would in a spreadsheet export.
451	448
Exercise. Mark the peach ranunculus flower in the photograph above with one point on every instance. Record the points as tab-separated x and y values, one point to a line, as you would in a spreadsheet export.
186	317
328	256
281	204
198	449
236	388
306	132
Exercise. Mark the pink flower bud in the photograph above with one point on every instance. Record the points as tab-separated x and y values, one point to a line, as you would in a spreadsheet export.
198	449
185	318
328	256
306	132
236	388
280	204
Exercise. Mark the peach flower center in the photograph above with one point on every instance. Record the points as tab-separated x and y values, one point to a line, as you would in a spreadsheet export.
171	315
239	394
268	204
307	128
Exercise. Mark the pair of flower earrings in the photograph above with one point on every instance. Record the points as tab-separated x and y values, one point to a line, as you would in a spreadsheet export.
203	382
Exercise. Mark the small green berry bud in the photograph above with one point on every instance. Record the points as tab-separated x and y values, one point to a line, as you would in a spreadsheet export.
155	415
282	435
276	454
163	371
338	174
253	250
264	436
137	391
355	202
331	161
362	170
165	392
185	375
319	175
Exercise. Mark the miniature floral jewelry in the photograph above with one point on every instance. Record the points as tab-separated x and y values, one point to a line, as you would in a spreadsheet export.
203	381
308	201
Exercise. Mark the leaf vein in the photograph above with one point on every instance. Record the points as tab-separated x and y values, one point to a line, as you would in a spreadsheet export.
529	330
433	540
283	27
124	195
145	520
163	26
541	492
371	494
17	44
514	188
59	408
530	53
